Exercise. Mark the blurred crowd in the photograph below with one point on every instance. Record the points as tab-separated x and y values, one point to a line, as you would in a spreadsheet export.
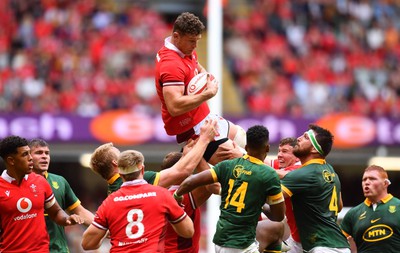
311	57
78	56
303	58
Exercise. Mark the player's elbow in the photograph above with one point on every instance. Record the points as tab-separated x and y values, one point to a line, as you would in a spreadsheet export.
185	228
175	111
89	244
188	232
92	238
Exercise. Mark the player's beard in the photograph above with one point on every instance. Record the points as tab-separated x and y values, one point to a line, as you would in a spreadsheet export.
299	152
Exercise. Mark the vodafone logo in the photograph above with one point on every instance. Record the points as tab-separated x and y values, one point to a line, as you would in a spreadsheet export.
122	127
349	130
24	205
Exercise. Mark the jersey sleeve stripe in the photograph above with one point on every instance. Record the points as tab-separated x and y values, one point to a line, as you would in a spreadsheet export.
286	190
50	201
214	175
173	84
156	179
74	205
49	198
97	225
179	219
275	199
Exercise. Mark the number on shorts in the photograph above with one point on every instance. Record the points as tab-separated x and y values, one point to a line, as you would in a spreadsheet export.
237	199
134	223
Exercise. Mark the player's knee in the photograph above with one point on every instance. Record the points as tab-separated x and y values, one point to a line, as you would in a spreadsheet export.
240	137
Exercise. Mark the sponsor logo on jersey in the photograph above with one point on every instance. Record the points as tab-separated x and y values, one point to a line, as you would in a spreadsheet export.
377	233
25	216
392	209
362	216
55	184
24	205
136	196
238	170
143	240
375	220
328	176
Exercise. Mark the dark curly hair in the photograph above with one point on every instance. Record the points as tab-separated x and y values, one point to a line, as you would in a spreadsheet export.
188	23
257	136
10	144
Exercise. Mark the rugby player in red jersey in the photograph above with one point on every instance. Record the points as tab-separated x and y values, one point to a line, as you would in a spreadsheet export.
183	115
286	161
137	214
24	197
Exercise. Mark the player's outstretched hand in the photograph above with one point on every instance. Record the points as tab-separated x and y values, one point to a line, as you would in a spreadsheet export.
74	219
209	130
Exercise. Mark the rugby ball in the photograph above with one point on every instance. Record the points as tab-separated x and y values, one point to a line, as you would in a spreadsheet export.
197	84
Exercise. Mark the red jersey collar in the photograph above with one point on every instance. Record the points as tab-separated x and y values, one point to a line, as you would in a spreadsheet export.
169	45
8	178
134	182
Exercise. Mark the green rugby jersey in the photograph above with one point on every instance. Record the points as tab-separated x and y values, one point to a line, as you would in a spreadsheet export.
115	182
246	184
315	189
374	230
67	200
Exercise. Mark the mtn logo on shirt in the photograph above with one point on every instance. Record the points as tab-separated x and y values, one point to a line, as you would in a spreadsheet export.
377	233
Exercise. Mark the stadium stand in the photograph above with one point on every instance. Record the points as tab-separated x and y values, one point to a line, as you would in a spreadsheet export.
302	58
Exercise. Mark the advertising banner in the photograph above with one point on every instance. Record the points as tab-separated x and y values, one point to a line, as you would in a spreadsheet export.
123	127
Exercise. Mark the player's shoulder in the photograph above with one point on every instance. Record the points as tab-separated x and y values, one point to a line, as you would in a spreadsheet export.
36	177
358	211
394	200
156	188
166	54
53	176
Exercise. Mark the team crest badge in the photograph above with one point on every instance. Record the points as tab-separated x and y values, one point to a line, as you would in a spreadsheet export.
55	185
328	177
392	209
237	171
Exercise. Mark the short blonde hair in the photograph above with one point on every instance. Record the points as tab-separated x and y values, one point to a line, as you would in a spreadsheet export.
382	172
130	161
102	159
